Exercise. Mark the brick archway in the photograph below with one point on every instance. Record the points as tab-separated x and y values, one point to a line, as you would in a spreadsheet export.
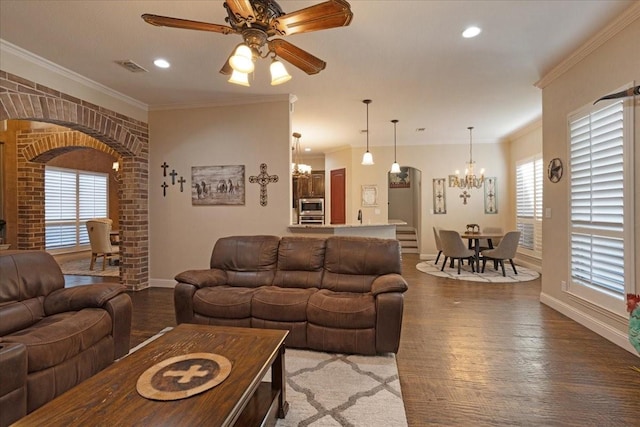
21	99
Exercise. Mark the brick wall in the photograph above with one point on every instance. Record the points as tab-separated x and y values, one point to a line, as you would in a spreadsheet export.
121	135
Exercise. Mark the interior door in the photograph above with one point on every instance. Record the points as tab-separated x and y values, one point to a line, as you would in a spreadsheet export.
338	190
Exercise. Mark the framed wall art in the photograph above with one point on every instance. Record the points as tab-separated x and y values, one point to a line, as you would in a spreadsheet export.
439	196
401	179
369	196
490	195
217	185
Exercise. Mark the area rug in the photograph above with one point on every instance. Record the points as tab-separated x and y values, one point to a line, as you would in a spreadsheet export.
80	267
326	389
489	276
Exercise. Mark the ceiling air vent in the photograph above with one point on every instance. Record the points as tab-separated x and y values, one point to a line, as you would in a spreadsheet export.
131	66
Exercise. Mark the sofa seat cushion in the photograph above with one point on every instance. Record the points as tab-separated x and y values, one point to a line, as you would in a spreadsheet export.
224	302
343	310
281	304
62	336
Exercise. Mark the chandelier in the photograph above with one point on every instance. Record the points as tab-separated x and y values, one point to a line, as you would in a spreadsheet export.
469	180
298	170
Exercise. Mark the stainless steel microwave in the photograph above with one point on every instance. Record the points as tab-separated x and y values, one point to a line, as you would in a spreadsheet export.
311	206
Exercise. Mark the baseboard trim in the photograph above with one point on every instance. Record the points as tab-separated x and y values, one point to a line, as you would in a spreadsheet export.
162	283
611	334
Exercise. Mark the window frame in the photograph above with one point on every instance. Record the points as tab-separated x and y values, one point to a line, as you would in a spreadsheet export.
78	223
608	300
538	206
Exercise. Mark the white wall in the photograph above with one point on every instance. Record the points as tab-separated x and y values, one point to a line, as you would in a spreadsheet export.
602	70
182	235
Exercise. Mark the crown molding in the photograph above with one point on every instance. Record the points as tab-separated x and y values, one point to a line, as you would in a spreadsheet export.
222	103
617	25
52	67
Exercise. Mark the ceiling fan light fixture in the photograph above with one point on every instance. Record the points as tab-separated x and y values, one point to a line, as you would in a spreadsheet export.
239	78
279	73
242	59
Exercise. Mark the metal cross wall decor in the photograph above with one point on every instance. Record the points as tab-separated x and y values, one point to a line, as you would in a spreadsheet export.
464	196
263	179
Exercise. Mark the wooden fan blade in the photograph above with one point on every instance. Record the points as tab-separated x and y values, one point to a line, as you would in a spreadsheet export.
330	14
242	10
296	56
165	21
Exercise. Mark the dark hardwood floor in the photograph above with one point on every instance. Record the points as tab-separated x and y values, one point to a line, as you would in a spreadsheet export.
485	355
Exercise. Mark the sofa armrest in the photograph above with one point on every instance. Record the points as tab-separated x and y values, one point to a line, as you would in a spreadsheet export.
79	297
203	278
120	309
388	283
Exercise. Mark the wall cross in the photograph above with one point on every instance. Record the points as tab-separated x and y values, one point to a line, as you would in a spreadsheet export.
164	189
164	167
182	181
263	179
173	176
464	196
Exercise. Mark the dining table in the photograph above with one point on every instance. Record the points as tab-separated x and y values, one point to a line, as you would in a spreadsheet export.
474	242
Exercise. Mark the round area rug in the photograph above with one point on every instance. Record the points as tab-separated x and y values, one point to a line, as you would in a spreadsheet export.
489	276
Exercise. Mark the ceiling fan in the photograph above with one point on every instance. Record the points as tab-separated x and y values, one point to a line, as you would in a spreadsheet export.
260	20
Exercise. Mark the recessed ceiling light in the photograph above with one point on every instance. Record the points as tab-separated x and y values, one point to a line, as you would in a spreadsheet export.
471	32
161	63
307	149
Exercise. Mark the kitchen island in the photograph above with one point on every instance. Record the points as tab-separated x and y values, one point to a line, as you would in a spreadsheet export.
384	231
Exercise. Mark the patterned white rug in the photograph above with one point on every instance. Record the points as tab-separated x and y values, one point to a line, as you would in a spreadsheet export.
489	276
342	390
326	389
80	267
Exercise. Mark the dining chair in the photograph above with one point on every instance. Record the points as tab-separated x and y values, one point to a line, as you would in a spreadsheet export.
100	239
454	248
484	243
505	250
438	244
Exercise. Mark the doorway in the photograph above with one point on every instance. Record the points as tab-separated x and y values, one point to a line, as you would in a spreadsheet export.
405	207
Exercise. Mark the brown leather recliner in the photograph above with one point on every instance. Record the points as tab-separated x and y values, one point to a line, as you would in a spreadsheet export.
340	294
52	337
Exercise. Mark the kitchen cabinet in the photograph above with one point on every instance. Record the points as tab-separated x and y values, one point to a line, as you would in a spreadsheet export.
313	186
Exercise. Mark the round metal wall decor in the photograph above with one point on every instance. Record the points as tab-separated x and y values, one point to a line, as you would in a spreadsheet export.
554	170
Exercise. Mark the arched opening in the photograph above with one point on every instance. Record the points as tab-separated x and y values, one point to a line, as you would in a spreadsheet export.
97	128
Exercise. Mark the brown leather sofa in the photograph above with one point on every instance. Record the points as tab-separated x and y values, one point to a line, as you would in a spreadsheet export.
52	337
339	294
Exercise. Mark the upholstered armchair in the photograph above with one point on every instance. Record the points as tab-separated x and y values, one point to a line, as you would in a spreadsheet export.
52	337
99	230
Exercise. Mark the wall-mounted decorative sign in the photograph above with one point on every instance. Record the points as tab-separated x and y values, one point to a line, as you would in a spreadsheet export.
439	198
369	196
217	185
401	179
490	195
263	179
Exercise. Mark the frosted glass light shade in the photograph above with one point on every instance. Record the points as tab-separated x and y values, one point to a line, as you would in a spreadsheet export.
242	59
395	168
239	78
279	74
367	159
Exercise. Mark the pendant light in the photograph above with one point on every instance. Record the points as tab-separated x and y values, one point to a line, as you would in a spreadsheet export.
395	167
367	158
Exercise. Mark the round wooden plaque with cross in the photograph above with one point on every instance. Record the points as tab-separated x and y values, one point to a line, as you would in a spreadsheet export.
183	376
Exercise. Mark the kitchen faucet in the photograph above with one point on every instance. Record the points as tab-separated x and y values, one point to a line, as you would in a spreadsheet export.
360	215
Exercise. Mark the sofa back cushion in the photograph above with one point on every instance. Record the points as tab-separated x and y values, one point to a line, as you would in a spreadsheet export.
352	263
249	261
300	262
26	278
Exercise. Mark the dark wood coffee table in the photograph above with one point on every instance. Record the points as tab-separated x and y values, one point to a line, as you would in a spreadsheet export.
110	398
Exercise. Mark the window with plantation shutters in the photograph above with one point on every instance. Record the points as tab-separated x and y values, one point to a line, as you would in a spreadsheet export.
529	206
600	225
71	198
